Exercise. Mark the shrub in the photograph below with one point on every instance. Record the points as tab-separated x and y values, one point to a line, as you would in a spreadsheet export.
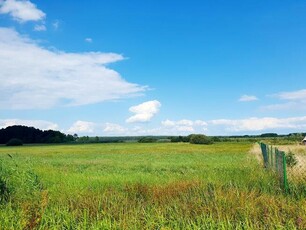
147	140
291	159
14	142
200	139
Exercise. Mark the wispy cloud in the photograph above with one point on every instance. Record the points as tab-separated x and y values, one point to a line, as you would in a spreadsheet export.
55	78
283	106
88	40
41	124
21	11
144	112
246	98
56	24
293	95
294	100
261	124
40	28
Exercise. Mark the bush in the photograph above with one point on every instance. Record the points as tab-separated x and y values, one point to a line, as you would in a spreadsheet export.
14	142
291	159
147	140
200	139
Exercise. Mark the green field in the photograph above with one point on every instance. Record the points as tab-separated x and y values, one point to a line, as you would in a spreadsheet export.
142	186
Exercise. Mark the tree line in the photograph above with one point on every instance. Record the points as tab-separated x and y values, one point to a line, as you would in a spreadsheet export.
29	135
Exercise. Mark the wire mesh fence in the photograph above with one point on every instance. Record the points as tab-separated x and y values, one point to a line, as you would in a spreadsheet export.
288	165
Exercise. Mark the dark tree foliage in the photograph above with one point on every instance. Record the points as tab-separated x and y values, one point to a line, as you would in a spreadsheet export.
30	135
147	140
200	139
14	142
269	135
180	138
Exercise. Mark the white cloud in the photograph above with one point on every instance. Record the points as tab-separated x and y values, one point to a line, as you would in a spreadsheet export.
34	77
140	131
260	124
200	123
168	123
21	11
114	128
185	122
294	100
284	106
183	126
55	24
294	95
245	98
40	28
89	40
82	127
40	124
144	112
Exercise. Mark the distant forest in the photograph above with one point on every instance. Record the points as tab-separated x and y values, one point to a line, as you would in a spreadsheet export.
29	135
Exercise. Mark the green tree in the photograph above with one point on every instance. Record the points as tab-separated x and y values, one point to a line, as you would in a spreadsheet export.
14	142
200	139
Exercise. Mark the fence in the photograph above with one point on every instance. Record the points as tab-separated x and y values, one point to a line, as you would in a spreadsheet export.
289	167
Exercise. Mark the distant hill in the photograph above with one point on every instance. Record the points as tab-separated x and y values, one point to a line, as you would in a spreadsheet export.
30	135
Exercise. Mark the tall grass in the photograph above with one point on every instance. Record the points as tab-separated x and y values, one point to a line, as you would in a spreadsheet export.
143	186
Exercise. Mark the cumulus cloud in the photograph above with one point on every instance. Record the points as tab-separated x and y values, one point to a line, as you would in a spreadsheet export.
246	98
144	112
40	124
82	127
21	11
260	124
34	77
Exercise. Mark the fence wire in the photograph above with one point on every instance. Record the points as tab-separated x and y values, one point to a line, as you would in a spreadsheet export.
289	166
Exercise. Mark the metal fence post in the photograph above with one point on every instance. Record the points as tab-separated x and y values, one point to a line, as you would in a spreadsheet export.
285	172
276	160
271	155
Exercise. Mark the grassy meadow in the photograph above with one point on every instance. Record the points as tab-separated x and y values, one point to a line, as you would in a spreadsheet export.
142	186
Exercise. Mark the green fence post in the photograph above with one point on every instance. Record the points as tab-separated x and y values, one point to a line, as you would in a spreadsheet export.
272	157
285	172
269	156
264	154
276	159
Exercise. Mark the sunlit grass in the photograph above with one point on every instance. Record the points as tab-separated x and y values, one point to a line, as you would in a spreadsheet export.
143	186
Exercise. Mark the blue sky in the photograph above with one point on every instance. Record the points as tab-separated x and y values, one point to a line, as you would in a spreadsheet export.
153	67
